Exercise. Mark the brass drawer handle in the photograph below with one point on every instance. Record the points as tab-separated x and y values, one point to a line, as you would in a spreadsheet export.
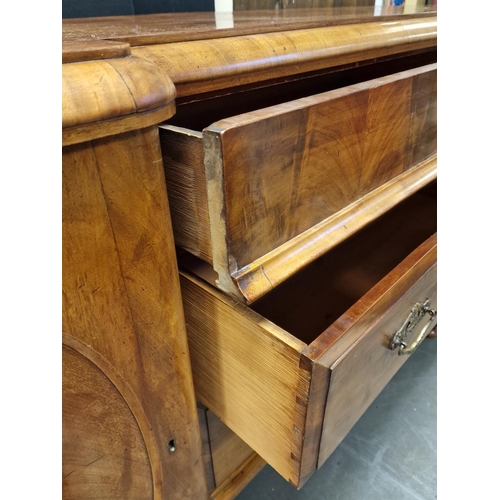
418	311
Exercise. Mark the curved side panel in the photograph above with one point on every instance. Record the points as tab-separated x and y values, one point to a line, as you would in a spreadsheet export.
108	450
112	96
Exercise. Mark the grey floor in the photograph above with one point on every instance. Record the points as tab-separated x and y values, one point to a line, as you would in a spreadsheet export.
390	454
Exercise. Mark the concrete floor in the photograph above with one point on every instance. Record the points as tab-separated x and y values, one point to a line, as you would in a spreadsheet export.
390	454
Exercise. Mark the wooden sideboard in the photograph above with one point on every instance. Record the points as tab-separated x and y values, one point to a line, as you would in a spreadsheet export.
291	158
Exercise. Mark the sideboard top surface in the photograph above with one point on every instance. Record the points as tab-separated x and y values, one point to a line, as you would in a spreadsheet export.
178	27
130	69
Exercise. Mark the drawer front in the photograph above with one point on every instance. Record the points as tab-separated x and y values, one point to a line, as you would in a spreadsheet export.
366	368
262	194
287	168
230	463
292	402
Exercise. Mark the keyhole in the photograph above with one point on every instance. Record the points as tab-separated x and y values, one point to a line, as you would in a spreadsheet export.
171	445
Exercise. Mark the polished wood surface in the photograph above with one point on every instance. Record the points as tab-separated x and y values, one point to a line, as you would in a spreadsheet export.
181	27
264	273
264	45
198	67
267	375
103	98
97	424
124	346
230	463
235	483
92	50
333	282
328	151
133	92
123	317
229	452
200	113
286	183
369	360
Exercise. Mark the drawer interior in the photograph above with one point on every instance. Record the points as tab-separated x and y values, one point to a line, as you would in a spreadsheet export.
308	302
266	369
202	113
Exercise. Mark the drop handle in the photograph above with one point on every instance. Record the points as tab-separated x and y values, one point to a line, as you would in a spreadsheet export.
417	314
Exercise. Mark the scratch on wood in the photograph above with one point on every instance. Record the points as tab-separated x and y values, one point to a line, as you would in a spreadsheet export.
265	275
94	461
155	351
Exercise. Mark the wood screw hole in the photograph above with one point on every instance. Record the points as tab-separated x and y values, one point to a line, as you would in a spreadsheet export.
171	445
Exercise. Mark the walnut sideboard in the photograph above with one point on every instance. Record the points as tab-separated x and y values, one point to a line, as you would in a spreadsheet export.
286	165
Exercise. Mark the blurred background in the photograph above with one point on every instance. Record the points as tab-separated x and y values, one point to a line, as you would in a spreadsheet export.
96	8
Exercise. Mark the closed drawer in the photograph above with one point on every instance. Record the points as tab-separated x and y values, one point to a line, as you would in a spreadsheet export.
262	194
230	463
292	373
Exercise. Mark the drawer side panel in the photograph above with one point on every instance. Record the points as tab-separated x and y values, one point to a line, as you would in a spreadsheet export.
248	377
182	152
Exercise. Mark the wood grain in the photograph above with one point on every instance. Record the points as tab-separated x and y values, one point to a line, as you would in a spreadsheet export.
183	155
244	372
365	369
320	379
288	167
229	452
287	183
180	27
125	351
200	113
102	98
235	483
198	67
104	454
333	342
121	299
333	283
279	265
424	117
114	126
230	463
90	50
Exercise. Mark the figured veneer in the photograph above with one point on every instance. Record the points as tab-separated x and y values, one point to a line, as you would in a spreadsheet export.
262	194
308	204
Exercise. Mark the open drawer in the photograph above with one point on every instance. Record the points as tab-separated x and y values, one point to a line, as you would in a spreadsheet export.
262	194
292	373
